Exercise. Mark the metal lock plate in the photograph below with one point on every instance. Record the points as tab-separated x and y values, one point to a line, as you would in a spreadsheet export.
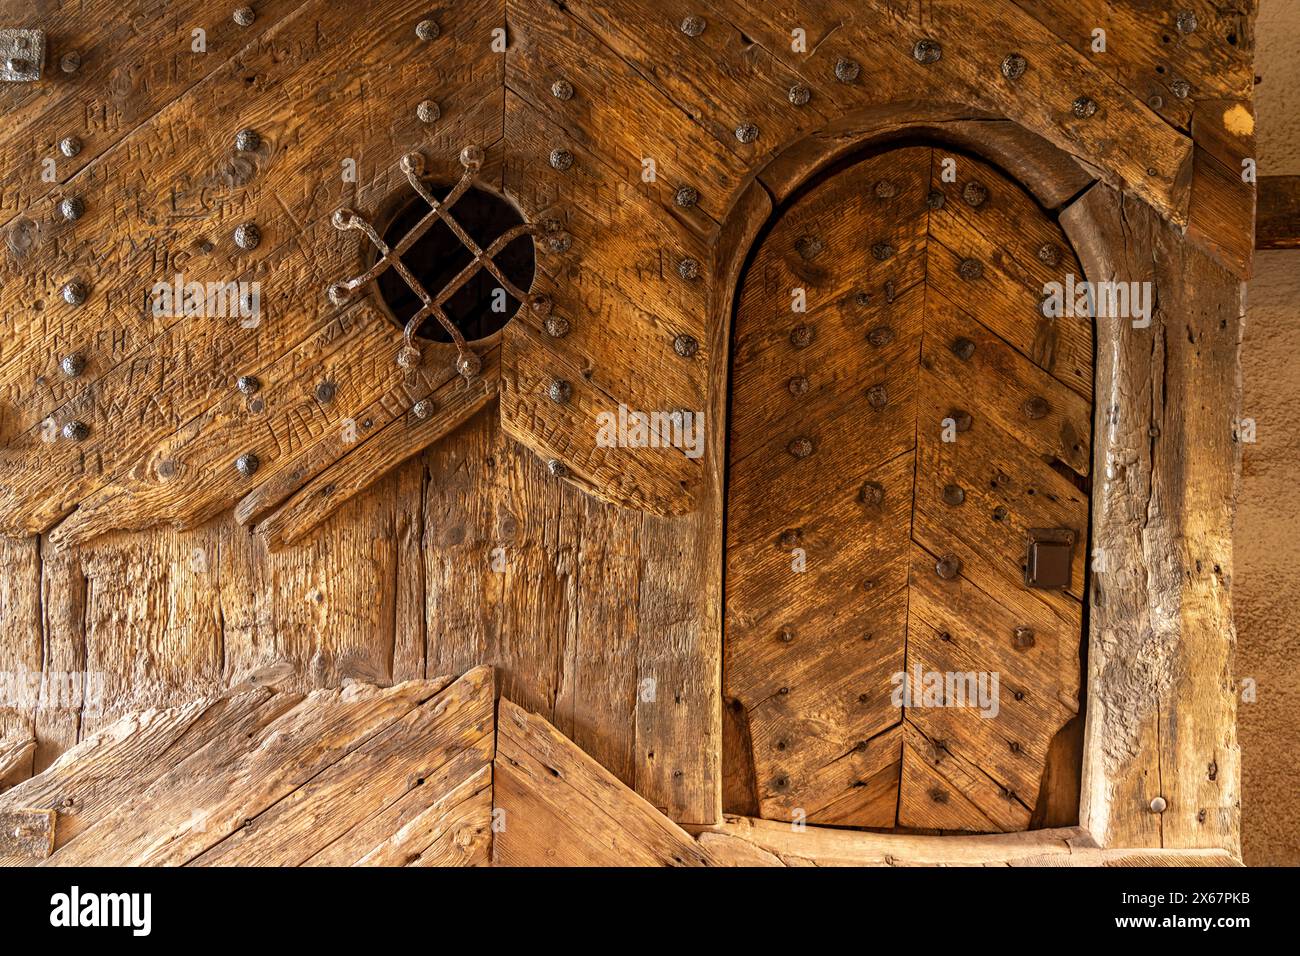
22	54
1048	563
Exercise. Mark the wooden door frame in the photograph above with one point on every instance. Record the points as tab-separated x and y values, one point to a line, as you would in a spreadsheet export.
1161	765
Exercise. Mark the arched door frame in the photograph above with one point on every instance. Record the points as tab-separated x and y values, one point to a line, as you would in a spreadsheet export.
1157	668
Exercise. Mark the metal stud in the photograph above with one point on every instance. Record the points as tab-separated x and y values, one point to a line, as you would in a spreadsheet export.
562	90
557	468
970	269
248	384
935	199
325	392
1014	66
975	194
468	365
1159	805
953	495
801	336
1083	107
799	94
247	463
927	51
1180	88
692	25
882	251
801	447
559	391
808	247
948	567
962	419
1156	101
247	140
746	132
247	236
1049	254
72	208
244	16
423	409
73	365
561	159
871	493
789	539
559	241
1022	638
1185	22
427	30
69	146
428	112
877	397
885	189
881	336
963	348
1036	407
685	345
71	62
785	635
686	196
689	269
556	326
798	385
76	431
74	292
846	70
408	357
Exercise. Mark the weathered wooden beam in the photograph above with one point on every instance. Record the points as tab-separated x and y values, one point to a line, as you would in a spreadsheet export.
1277	213
743	841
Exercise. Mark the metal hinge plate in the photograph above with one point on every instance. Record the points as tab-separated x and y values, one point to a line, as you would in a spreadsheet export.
22	54
1048	562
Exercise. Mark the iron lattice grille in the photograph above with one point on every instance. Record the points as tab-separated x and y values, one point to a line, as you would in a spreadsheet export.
468	364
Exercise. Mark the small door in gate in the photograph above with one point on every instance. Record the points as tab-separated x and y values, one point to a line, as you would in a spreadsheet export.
907	503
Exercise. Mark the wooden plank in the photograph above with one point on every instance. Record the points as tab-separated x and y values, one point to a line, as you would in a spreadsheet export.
743	841
405	755
194	805
562	808
1277	222
16	760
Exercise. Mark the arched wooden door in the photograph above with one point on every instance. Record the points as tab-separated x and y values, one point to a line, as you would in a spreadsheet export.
898	452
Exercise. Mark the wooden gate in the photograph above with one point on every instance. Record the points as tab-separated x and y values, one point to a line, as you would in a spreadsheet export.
907	502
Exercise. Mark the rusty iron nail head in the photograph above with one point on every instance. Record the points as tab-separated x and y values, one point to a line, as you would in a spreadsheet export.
73	365
953	495
557	468
556	326
562	90
76	431
428	111
685	345
69	146
74	292
801	447
692	25
846	70
71	62
1186	22
427	30
948	567
247	463
689	269
963	348
799	94
559	391
248	384
247	236
797	385
746	132
561	159
975	194
927	51
468	364
1083	107
422	409
686	196
247	140
1013	66
801	336
72	208
244	16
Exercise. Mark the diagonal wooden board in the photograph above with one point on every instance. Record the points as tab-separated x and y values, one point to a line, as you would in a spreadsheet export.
359	775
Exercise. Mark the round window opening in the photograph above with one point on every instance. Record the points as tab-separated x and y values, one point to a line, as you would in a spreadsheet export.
482	305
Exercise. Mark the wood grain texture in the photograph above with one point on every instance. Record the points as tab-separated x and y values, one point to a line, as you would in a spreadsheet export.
360	776
1162	711
832	591
559	807
1277	224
